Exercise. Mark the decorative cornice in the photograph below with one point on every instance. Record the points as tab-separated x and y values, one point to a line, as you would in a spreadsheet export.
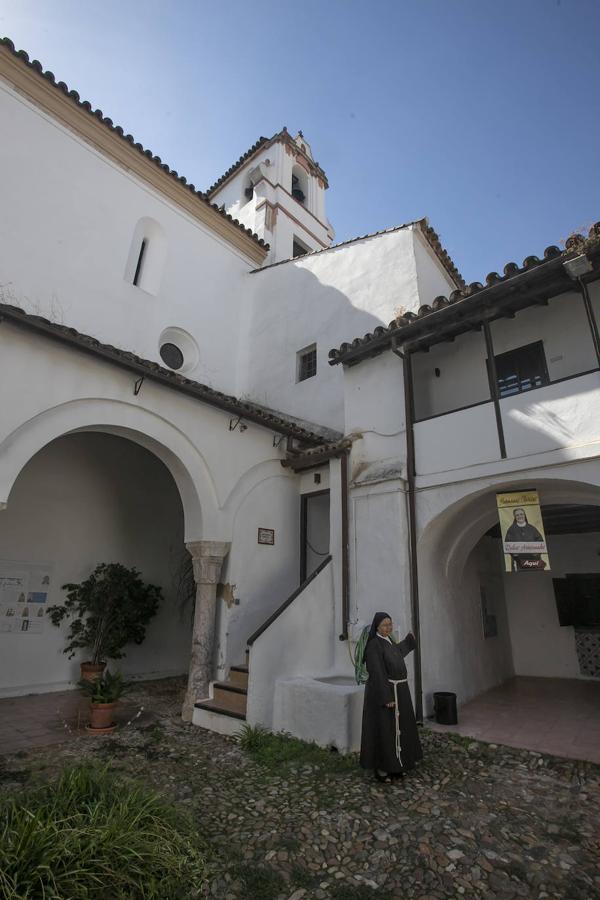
55	99
276	206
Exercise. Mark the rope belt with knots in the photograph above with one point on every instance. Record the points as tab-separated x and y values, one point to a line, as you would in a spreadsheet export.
397	713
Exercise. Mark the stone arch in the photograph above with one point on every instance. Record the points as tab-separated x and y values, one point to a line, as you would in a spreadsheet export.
183	460
300	186
475	514
449	660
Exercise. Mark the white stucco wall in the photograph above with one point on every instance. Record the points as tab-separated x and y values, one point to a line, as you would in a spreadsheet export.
540	645
433	279
63	390
560	419
562	326
325	299
455	654
379	570
82	500
230	482
457	440
299	642
66	248
375	414
462	378
559	415
263	575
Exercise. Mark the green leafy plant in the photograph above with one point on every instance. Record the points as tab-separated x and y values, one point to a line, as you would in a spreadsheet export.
92	834
274	750
107	689
107	611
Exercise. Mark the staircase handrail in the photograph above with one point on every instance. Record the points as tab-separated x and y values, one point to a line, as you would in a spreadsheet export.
287	602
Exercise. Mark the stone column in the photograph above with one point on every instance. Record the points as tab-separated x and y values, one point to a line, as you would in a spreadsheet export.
207	558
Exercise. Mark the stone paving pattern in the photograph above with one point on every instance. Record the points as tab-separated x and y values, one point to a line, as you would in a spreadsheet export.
476	820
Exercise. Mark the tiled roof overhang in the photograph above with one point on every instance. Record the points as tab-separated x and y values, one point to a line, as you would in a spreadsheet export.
223	223
282	136
152	371
535	282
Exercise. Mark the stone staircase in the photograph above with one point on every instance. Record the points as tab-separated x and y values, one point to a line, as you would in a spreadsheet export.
225	710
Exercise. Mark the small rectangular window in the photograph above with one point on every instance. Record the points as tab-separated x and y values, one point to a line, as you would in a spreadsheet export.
306	363
522	369
299	249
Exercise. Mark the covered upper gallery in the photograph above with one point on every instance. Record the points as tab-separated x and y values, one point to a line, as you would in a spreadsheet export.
466	308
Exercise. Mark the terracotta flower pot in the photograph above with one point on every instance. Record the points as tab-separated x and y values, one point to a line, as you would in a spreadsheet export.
102	715
92	671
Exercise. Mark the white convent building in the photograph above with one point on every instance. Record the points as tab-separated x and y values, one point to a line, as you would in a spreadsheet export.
166	383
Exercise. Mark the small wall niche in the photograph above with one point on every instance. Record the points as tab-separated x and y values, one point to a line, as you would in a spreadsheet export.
147	253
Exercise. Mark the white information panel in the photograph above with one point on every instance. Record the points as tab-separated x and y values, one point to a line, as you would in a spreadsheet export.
24	592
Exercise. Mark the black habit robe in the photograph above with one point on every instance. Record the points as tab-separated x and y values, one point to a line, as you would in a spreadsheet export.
385	660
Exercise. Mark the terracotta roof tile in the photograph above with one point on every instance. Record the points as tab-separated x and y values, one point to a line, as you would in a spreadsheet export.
260	143
98	114
237	165
381	338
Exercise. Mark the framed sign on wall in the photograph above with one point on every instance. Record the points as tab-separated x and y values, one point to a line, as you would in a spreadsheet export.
266	535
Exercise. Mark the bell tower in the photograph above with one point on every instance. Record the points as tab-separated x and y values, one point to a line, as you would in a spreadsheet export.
278	190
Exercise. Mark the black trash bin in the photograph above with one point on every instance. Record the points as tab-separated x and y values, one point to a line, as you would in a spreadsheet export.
444	708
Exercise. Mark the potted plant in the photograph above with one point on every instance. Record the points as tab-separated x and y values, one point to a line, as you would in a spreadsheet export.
107	611
104	693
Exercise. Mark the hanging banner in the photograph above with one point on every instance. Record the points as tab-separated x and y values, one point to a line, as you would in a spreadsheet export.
522	531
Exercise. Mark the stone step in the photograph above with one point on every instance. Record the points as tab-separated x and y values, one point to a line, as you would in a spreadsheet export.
207	714
238	675
230	696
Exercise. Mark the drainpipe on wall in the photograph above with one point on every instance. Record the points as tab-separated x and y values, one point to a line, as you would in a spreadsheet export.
345	546
412	524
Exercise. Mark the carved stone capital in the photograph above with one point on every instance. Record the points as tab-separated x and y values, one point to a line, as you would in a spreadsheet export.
207	560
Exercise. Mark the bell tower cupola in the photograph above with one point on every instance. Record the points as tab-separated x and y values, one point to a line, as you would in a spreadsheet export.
278	191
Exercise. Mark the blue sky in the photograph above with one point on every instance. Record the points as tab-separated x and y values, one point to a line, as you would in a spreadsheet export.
480	114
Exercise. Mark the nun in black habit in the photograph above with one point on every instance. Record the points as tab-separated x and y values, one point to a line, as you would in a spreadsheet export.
390	741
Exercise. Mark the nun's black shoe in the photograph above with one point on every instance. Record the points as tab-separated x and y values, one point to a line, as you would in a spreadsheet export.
397	776
383	779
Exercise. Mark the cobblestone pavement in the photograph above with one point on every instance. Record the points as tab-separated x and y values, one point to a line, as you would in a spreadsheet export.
476	820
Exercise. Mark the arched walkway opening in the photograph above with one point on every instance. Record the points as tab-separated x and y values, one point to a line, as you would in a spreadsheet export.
83	499
521	649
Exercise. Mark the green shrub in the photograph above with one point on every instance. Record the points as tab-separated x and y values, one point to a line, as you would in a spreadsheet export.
106	612
90	835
